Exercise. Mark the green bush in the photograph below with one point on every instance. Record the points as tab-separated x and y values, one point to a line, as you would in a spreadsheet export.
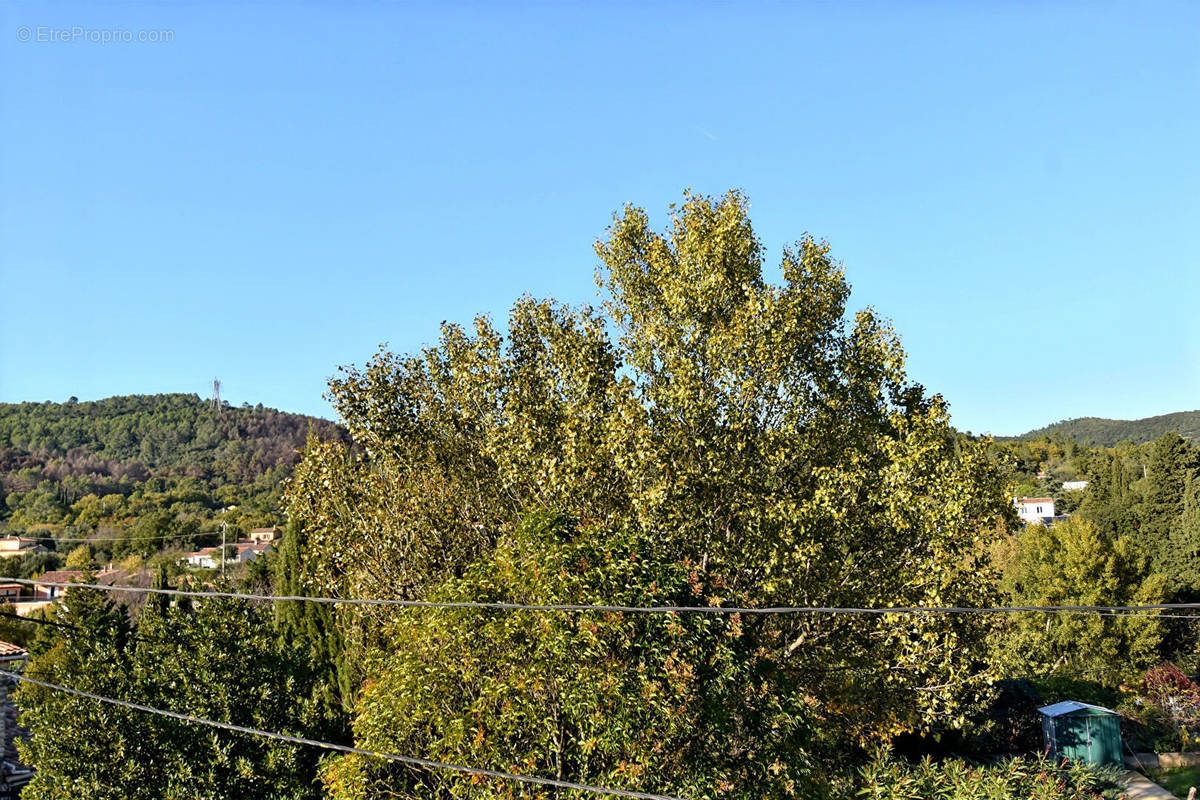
885	776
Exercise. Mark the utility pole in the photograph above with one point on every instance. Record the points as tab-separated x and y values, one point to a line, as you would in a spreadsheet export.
223	549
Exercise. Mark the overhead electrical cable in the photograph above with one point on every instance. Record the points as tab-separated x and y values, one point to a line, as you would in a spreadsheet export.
412	761
94	539
665	609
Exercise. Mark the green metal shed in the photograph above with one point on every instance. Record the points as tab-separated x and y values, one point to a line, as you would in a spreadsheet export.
1082	732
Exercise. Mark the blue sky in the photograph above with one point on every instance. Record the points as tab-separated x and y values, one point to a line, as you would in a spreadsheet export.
278	190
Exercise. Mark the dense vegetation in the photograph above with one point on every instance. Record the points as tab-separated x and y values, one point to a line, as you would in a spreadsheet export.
135	473
1133	538
220	660
1144	498
1111	432
706	438
885	777
737	443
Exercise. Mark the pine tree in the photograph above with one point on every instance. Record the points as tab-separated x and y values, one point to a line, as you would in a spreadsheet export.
221	661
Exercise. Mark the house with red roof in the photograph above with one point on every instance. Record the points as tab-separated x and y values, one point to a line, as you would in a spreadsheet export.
46	587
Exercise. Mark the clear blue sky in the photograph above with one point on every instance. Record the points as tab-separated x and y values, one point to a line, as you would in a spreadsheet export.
280	189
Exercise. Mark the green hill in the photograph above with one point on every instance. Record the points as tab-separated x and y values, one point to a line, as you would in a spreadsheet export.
1108	432
160	432
145	466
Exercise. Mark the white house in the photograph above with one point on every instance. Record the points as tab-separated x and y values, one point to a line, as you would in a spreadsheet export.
1074	486
1035	510
205	558
248	551
210	557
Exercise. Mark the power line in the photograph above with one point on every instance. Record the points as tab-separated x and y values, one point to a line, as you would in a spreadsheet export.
37	621
1144	616
118	538
729	610
143	637
132	634
414	761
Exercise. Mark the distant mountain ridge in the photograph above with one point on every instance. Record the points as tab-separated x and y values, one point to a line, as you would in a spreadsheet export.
161	431
1108	432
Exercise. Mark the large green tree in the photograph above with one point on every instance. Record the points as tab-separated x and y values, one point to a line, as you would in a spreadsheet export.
1112	500
1170	462
711	437
1075	563
1178	557
312	629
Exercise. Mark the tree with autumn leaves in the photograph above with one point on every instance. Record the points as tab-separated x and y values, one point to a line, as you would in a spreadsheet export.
705	437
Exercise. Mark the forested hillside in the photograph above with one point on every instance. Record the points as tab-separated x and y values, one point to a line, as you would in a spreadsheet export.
1110	432
144	466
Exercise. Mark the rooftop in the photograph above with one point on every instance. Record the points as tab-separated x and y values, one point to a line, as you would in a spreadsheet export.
203	551
119	577
10	650
60	576
1070	707
14	542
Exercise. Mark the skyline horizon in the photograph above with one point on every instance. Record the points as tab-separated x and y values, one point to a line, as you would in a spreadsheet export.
330	415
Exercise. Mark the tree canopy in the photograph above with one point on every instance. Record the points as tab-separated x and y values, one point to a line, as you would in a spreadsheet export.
705	435
702	437
1074	563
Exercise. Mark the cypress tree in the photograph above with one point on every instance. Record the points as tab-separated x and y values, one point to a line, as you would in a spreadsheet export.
311	628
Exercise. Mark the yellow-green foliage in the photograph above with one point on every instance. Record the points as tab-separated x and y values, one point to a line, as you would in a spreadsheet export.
1074	563
79	558
747	443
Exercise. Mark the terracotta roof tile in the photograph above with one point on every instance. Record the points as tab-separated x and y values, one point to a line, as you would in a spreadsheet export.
8	650
60	576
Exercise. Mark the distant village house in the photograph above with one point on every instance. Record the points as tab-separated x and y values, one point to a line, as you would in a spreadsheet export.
1035	510
264	534
248	551
42	588
202	558
11	546
1074	486
243	550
